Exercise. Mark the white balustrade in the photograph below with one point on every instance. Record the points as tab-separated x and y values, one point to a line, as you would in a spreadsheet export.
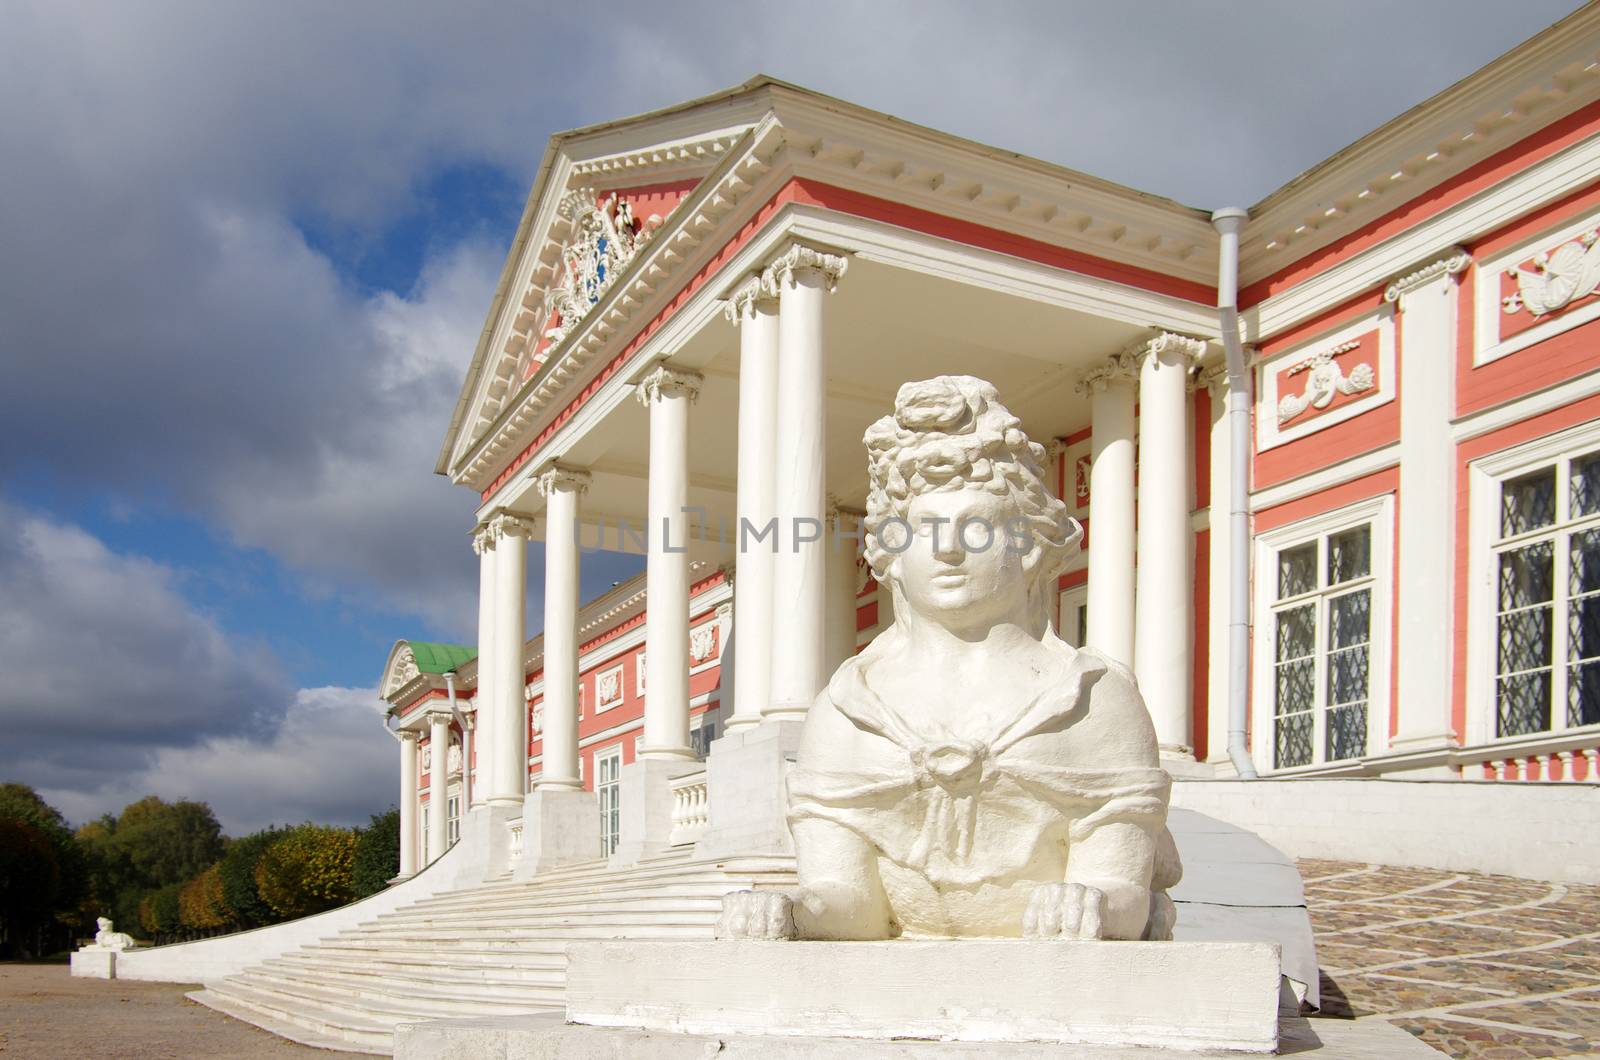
690	808
514	845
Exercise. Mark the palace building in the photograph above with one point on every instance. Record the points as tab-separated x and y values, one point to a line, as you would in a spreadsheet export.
704	307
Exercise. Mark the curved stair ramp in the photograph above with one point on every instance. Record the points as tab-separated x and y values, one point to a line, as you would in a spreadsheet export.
492	950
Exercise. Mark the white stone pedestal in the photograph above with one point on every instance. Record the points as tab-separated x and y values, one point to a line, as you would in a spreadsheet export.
645	792
745	791
560	826
1192	996
91	962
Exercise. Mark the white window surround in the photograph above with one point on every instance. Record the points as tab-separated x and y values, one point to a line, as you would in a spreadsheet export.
1379	513
611	675
608	791
1489	313
1070	600
1273	380
1484	476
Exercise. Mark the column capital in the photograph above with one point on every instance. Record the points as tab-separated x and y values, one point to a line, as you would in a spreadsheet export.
800	258
482	538
754	291
1213	377
409	735
1185	349
560	477
664	381
1120	367
724	611
1452	263
440	717
507	524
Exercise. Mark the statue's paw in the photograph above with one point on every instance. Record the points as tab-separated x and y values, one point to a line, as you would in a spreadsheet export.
1064	911
756	915
1163	918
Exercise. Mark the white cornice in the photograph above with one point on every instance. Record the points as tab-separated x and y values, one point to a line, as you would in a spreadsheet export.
1529	87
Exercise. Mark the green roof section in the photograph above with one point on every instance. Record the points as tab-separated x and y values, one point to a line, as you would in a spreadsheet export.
440	658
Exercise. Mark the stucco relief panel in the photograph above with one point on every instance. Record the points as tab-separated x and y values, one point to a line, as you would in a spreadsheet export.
1326	380
1537	289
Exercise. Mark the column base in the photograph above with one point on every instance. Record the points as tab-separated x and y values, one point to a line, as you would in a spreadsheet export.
644	792
560	826
746	800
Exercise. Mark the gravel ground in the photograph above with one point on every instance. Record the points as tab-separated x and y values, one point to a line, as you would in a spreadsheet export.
45	1013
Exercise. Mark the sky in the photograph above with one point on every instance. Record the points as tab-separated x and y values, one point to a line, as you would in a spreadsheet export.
246	249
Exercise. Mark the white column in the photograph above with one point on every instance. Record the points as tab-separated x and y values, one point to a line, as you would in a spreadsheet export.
1163	640
754	308
438	784
509	744
844	578
1424	598
667	392
1111	528
802	276
561	488
408	804
483	696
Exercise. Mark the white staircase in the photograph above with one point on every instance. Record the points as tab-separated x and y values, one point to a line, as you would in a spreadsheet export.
496	949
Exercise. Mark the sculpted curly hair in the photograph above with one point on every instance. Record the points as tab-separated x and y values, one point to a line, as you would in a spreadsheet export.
952	433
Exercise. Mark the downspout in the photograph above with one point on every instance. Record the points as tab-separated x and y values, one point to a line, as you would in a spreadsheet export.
466	741
1229	222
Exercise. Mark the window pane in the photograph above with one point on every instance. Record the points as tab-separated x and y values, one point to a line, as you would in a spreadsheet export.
1585	575
1583	628
1295	690
1297	632
1349	619
1525	575
1349	555
1293	741
1528	502
1583	694
1523	704
1297	570
1347	675
1347	731
1524	640
1586	485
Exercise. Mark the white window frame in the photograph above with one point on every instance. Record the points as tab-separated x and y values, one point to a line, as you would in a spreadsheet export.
1068	603
1378	512
453	814
638	673
1484	477
612	790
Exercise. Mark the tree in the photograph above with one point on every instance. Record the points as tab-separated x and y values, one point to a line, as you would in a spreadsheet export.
201	909
377	853
152	844
237	870
158	912
44	877
308	870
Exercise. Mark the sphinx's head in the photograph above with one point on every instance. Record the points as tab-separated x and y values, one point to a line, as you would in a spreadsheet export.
958	517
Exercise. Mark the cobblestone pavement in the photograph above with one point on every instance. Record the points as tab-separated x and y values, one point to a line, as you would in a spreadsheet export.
1476	966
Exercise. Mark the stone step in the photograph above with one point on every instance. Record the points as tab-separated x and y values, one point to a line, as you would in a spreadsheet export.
299	1020
374	1006
534	902
637	910
461	960
546	887
438	973
381	994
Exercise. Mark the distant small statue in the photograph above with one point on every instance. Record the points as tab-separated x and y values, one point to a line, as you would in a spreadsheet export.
970	774
106	939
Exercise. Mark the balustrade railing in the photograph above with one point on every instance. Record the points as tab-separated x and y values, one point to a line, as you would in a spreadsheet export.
690	810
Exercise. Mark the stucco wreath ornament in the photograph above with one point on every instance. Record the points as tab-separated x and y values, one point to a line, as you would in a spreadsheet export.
969	774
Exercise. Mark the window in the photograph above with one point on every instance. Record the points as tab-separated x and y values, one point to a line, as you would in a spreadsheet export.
453	809
702	733
1322	590
1546	570
608	771
638	673
1075	615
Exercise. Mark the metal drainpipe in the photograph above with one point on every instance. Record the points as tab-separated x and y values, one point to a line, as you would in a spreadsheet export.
1229	222
466	741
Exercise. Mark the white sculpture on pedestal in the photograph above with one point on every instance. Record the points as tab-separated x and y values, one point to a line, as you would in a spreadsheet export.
106	939
970	774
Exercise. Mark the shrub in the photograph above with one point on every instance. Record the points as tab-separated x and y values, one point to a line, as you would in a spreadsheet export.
201	909
377	853
307	870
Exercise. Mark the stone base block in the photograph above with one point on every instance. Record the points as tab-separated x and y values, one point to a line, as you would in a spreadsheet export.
745	774
645	793
94	964
560	826
1192	996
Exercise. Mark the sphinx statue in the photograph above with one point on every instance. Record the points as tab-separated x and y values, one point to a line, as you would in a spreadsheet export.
107	939
970	774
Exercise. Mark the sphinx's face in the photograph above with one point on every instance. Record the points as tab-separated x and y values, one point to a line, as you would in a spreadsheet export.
961	568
